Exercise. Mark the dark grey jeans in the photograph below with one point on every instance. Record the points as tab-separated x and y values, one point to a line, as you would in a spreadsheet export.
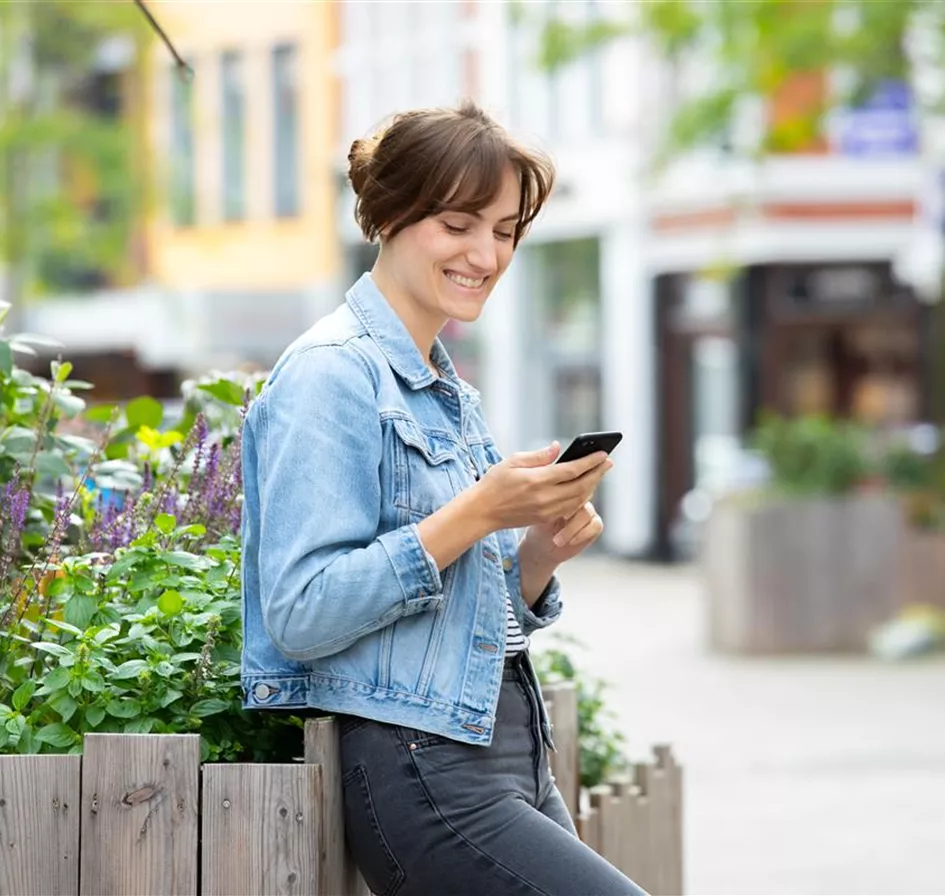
428	816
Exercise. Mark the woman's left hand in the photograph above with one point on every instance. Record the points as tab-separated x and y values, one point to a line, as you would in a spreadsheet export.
566	538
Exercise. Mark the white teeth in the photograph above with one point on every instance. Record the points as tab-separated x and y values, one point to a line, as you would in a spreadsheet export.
466	281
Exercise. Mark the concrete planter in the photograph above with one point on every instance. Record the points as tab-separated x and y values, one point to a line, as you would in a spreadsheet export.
922	568
792	576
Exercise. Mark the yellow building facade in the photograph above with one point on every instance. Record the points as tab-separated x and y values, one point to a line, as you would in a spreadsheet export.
243	155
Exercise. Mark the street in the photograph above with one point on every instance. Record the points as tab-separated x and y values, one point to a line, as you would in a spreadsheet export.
802	775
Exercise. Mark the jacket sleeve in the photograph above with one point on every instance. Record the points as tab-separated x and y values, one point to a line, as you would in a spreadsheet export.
326	577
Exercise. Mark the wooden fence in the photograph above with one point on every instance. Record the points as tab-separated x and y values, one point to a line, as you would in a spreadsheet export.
139	814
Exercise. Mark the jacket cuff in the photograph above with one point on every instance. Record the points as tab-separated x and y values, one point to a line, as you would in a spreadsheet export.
419	579
546	609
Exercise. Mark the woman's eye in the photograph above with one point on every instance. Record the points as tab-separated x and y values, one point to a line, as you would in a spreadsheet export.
453	228
503	236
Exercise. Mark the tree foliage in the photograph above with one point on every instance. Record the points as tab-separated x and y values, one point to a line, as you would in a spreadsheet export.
755	49
70	188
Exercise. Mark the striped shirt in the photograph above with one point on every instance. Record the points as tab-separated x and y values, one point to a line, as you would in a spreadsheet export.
515	640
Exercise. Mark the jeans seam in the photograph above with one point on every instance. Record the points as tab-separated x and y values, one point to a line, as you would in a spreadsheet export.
463	838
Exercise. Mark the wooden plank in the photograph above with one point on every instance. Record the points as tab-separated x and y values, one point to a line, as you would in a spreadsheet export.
608	819
337	871
261	825
674	879
139	814
565	761
39	825
625	794
660	833
643	872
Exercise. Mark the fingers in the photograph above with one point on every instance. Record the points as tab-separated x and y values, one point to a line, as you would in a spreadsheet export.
584	526
540	458
575	469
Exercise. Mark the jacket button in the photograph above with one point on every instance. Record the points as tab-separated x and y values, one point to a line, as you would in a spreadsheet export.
261	691
507	564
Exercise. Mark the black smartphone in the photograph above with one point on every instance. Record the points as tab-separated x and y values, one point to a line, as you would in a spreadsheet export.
589	442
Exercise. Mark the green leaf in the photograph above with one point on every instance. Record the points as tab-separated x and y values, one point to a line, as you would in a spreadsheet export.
23	694
56	735
186	560
165	523
169	697
6	358
51	464
101	413
70	405
139	726
60	370
144	411
209	707
94	715
131	668
56	679
226	391
80	609
63	704
54	649
65	627
124	708
170	603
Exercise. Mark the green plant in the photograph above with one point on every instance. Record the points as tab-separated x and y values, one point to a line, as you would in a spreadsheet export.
148	642
812	455
600	744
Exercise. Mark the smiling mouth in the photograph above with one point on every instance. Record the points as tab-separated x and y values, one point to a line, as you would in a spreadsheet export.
468	282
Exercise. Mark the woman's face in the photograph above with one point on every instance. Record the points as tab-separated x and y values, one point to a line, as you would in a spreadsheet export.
446	265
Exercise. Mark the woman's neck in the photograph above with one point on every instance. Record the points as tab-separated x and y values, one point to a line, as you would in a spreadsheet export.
421	326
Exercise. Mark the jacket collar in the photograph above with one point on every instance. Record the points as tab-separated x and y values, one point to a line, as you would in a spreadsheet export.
392	338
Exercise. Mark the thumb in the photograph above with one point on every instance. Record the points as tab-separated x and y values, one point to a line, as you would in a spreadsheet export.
540	458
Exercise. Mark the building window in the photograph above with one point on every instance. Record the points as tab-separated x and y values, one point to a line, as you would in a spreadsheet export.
286	105
563	359
234	136
182	150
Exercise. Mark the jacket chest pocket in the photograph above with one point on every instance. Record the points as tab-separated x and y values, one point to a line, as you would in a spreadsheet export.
426	466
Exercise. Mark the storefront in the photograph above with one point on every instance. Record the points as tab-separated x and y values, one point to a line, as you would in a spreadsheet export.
839	339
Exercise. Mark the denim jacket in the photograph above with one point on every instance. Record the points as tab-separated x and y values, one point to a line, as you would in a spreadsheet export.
353	441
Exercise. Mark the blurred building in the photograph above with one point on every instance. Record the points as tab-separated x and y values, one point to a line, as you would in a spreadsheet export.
238	250
777	288
672	309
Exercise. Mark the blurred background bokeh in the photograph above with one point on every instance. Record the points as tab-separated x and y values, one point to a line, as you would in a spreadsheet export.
747	218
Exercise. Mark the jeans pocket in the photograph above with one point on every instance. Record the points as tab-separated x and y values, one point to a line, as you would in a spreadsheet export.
366	841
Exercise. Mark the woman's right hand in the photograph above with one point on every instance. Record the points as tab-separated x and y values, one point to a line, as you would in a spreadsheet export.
529	488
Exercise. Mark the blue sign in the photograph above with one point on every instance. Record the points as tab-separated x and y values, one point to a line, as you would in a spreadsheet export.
884	125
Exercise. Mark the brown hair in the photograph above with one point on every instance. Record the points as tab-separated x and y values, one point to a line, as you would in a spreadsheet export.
433	160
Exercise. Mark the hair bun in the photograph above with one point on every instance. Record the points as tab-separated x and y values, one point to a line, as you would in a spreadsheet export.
360	157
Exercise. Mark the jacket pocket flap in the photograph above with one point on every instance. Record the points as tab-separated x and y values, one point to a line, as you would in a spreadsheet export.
436	448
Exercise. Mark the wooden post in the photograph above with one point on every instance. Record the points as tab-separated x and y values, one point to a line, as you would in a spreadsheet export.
674	868
337	871
39	825
139	814
608	819
640	831
261	830
565	762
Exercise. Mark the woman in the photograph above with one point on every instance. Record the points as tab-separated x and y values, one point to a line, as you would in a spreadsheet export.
383	578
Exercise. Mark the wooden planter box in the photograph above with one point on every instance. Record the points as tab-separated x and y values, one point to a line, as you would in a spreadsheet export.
786	576
140	814
922	569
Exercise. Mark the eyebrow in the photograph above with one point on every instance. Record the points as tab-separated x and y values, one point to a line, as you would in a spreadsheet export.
506	220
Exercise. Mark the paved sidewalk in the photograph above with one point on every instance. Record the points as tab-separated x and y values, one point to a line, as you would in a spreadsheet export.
803	775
